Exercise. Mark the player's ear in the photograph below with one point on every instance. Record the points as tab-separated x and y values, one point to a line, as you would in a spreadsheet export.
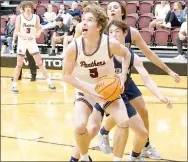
125	33
99	27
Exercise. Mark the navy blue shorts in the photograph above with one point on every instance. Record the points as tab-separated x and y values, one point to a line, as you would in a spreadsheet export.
132	90
130	93
130	109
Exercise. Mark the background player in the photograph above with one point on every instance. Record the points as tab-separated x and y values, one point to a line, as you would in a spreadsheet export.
32	64
28	29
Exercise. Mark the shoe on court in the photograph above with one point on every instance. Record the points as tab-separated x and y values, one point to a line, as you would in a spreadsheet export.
51	86
15	90
90	160
150	152
104	144
139	158
20	78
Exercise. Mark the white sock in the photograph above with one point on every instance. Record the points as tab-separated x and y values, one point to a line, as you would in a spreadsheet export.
49	81
117	158
14	84
85	157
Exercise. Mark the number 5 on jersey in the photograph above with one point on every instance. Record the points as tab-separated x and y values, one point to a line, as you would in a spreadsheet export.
93	73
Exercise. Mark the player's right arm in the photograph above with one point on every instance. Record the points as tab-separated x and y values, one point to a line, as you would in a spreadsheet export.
17	29
148	82
68	67
140	43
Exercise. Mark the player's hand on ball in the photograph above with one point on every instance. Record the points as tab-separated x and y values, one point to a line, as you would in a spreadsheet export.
93	92
166	101
122	80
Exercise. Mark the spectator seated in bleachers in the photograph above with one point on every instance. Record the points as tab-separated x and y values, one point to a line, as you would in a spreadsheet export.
76	20
67	18
174	18
49	17
9	30
60	32
161	11
182	38
74	11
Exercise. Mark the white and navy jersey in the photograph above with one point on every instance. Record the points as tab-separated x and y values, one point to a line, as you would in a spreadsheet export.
89	68
28	26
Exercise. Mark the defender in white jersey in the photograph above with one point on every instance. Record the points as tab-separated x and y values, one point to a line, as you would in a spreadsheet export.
87	59
28	29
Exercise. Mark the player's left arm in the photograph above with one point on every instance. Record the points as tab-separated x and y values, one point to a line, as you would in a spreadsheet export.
120	50
140	43
38	29
148	82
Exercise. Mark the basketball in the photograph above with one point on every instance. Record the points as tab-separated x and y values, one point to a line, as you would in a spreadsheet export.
109	86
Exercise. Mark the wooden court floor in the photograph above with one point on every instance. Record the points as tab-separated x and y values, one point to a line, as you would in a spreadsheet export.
37	124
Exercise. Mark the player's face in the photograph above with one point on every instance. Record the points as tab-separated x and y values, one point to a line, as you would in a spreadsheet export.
89	25
27	9
114	11
117	33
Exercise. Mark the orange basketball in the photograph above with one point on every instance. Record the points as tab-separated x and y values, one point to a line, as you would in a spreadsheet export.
109	86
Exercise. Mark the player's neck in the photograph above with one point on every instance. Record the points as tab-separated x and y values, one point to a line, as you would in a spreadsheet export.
92	41
122	42
27	14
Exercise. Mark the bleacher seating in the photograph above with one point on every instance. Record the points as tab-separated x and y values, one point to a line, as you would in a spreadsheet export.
41	9
145	7
147	35
132	6
132	19
162	37
144	20
174	35
140	14
4	20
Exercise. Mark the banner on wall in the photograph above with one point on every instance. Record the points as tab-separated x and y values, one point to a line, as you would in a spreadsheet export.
49	63
57	64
